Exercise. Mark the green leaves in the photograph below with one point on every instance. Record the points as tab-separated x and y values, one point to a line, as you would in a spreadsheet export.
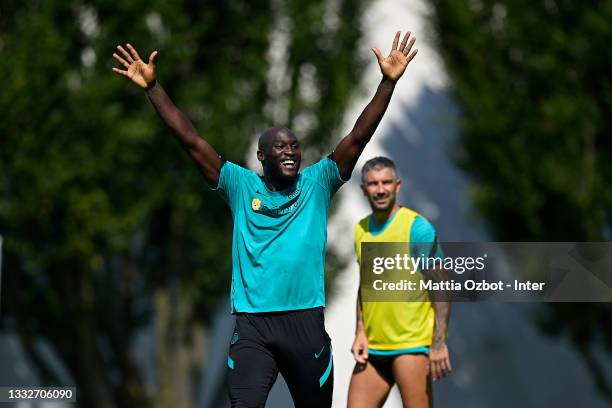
533	80
99	207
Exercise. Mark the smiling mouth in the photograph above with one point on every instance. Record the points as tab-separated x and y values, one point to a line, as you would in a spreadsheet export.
288	164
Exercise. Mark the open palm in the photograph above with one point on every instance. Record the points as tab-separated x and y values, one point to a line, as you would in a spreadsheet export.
141	73
394	65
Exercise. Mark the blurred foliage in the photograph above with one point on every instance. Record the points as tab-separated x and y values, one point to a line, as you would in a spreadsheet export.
99	208
533	81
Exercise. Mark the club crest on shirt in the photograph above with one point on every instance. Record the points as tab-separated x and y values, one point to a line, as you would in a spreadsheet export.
256	204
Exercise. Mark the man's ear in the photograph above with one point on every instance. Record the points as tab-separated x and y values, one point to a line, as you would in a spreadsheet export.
260	155
398	186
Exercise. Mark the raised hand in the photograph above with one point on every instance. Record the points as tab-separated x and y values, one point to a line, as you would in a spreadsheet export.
394	65
141	73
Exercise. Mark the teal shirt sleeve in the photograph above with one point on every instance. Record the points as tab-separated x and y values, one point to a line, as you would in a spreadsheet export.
327	173
230	182
424	240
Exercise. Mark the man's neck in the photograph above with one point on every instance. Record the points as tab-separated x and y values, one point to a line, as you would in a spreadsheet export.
381	216
277	184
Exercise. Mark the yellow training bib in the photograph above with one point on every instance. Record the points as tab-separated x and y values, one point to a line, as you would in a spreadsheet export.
394	325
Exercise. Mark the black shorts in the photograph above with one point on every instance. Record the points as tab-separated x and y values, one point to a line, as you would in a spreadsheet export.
294	343
384	365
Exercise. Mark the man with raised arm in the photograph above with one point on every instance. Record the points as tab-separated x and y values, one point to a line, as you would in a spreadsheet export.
397	342
279	238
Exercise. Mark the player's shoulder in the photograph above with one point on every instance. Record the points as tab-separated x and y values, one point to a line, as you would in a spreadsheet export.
420	226
240	175
409	213
406	213
236	168
316	168
363	224
422	229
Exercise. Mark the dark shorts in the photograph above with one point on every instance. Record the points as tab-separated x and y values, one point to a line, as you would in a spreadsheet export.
293	343
383	364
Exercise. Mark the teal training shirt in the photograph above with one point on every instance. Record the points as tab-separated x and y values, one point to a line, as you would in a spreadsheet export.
278	247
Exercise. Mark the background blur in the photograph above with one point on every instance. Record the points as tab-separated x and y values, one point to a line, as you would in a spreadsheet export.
116	256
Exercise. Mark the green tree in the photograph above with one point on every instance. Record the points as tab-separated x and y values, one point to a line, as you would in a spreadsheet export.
109	228
534	86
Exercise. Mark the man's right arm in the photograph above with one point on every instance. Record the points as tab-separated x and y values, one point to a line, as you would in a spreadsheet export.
202	153
360	344
143	75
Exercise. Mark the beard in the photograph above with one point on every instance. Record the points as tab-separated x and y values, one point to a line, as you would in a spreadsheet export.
386	205
275	172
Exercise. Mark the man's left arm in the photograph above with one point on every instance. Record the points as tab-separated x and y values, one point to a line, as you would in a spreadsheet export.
439	358
392	67
424	242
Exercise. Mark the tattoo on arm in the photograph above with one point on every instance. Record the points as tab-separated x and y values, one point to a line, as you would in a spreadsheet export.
442	311
442	306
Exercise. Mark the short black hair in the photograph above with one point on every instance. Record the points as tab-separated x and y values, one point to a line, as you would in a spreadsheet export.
264	138
377	163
